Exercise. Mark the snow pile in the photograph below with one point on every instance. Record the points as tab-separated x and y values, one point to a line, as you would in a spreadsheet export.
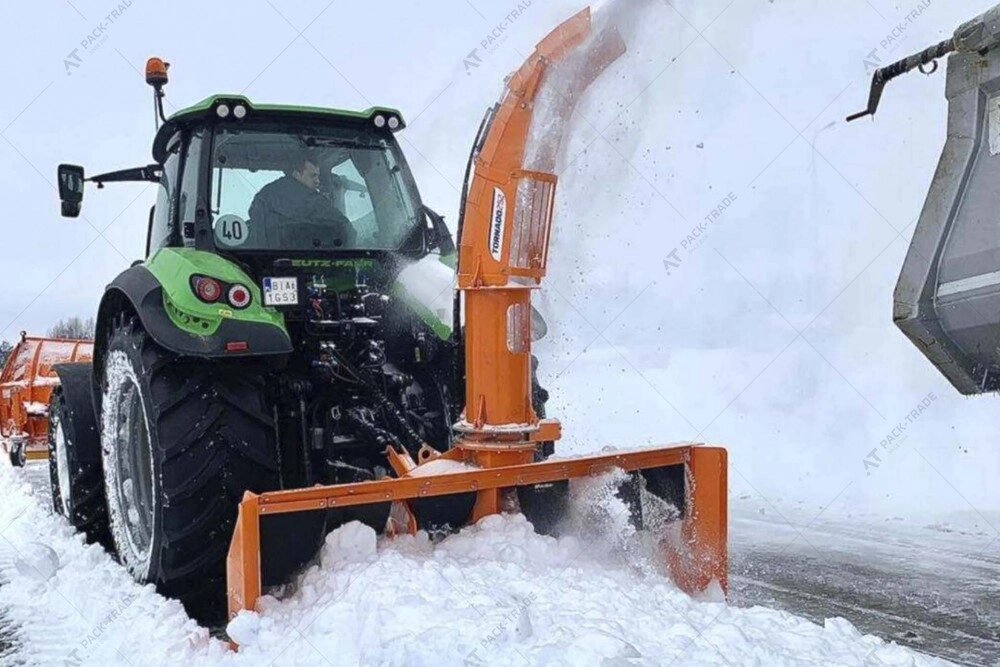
441	467
496	593
65	602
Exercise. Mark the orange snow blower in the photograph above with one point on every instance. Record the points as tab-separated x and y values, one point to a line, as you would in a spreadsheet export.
498	457
26	384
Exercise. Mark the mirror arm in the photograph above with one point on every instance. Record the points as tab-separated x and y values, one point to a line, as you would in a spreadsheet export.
149	173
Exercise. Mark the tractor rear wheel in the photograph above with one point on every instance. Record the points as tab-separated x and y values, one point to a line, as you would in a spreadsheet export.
75	465
182	439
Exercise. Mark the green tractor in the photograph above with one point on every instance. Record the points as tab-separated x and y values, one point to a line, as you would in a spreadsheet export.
293	318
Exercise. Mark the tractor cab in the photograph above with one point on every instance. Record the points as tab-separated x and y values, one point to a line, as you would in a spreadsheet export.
276	188
261	184
315	208
243	178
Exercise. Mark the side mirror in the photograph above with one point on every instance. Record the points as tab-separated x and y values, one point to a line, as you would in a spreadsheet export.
440	236
70	177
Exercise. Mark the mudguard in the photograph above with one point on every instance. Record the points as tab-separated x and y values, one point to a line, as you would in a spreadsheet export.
76	385
159	292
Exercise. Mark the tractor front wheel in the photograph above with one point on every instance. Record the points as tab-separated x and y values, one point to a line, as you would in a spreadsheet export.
181	441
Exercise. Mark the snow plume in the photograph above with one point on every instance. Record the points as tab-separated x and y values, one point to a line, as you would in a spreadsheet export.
613	25
626	526
429	285
730	283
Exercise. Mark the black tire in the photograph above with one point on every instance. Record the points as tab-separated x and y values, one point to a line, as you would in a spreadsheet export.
182	440
75	474
539	397
18	453
544	505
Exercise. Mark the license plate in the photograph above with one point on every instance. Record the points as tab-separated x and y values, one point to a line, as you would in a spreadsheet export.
281	291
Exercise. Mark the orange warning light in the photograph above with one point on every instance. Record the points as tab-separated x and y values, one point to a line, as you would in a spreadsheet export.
156	72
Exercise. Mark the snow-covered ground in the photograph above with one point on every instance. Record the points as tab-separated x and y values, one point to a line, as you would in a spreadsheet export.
933	586
721	269
496	593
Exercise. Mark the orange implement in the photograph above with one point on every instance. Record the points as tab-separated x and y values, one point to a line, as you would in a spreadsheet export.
695	473
26	384
499	440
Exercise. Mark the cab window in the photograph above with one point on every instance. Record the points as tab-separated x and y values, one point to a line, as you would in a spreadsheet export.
363	198
188	204
163	221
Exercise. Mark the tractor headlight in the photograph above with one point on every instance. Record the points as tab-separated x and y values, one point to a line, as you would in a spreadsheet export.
379	121
393	123
222	110
240	112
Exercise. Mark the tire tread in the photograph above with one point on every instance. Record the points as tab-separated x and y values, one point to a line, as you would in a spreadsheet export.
214	440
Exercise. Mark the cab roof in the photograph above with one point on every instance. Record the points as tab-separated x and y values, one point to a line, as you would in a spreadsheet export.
207	110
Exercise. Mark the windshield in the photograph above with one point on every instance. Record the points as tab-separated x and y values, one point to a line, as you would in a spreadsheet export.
284	187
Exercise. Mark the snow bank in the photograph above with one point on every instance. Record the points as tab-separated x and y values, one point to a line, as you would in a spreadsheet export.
65	602
496	593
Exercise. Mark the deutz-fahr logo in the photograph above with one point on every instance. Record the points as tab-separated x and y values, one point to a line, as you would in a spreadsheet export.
360	263
497	220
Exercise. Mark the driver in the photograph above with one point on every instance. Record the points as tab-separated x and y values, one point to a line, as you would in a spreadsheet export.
293	204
